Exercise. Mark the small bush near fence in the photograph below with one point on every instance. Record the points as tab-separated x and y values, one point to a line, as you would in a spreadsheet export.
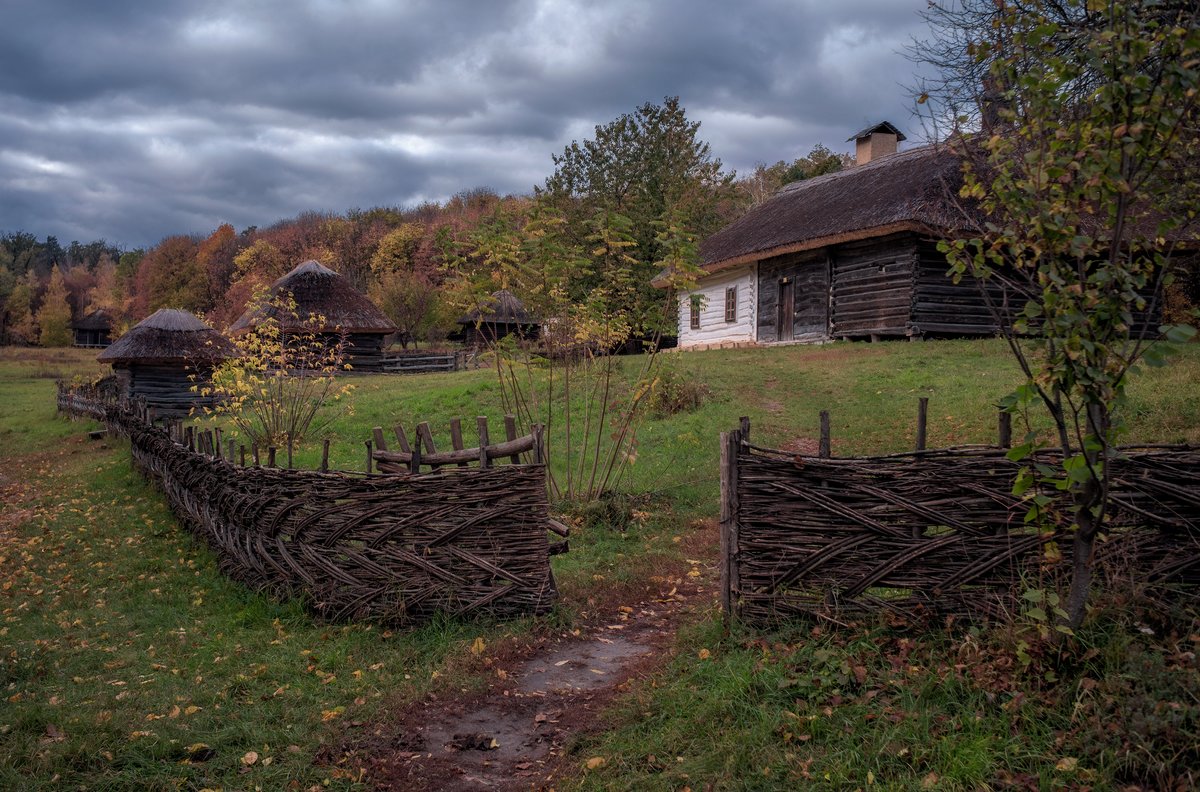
931	531
392	548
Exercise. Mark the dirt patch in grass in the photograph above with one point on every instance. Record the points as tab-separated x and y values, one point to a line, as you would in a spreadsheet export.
516	733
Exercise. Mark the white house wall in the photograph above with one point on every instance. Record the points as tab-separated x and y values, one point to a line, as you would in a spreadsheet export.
713	327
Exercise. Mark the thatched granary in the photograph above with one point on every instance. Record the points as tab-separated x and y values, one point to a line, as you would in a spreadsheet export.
502	316
163	356
321	291
94	329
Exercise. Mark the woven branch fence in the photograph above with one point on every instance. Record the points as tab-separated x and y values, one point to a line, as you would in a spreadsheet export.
391	548
930	531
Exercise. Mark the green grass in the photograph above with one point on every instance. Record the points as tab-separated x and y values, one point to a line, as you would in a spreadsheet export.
113	616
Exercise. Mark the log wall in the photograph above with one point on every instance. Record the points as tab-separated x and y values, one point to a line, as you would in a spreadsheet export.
873	286
809	276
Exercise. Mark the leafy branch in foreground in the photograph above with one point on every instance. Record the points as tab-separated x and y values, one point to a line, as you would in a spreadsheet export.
1086	175
283	388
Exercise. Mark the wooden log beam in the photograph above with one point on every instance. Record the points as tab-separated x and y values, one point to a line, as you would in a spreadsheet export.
508	448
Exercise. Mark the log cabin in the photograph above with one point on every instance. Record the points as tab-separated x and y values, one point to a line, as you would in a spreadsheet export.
503	315
94	329
319	291
851	254
162	357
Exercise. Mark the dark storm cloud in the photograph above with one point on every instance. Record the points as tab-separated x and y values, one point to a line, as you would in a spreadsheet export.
133	120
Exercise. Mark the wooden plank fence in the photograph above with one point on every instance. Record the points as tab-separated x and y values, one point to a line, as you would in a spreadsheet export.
930	531
427	362
396	547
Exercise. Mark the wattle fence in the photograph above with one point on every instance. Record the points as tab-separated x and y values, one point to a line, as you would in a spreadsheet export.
930	532
390	548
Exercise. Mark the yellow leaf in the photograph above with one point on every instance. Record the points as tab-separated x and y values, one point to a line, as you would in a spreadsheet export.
174	713
250	758
594	762
192	710
870	777
478	646
704	654
1067	764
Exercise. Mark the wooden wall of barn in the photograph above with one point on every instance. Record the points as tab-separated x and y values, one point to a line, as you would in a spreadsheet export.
808	274
873	284
943	307
166	387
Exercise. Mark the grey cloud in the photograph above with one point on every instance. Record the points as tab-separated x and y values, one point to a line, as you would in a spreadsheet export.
136	119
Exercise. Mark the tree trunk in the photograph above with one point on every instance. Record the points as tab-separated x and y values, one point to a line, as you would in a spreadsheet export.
1083	544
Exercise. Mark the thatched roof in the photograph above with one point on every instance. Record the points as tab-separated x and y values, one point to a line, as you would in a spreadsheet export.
99	319
906	191
319	290
169	335
504	308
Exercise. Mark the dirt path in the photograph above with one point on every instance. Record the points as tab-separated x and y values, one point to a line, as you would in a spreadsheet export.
513	735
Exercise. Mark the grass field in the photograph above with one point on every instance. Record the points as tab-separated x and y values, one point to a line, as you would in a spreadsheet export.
130	662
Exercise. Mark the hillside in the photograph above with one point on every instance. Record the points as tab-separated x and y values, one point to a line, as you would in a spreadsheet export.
134	662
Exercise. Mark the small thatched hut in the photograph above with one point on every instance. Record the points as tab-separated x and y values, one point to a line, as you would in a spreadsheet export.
504	315
94	329
321	291
163	356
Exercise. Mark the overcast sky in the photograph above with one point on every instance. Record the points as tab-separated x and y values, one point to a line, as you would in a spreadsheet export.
133	119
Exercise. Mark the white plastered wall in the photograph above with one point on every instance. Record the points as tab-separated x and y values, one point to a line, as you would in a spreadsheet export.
713	327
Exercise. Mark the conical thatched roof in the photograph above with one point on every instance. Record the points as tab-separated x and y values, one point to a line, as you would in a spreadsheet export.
319	290
169	335
99	319
504	308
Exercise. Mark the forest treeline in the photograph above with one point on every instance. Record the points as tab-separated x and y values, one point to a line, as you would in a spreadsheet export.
645	189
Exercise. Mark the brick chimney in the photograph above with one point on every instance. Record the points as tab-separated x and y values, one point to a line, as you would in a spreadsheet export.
875	142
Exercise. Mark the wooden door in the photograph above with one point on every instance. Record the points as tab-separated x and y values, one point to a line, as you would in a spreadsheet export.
787	310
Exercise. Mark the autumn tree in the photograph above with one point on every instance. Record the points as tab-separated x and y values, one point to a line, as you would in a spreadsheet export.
22	326
169	276
403	284
54	314
215	256
1083	161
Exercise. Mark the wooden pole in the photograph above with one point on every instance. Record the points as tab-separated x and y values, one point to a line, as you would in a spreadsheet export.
370	459
254	451
380	440
289	451
218	442
482	427
1004	427
730	443
922	421
229	448
456	437
243	455
325	455
510	433
825	450
539	444
270	456
744	427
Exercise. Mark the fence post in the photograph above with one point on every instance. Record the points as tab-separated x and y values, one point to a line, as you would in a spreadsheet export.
456	438
539	444
325	455
481	425
370	459
1004	427
922	420
270	456
510	433
730	443
825	450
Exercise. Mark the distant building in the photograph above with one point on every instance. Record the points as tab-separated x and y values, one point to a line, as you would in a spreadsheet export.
163	356
851	254
93	330
321	291
502	316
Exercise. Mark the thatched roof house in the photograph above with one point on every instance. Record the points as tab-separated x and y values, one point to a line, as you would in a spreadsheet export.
93	329
321	291
163	356
851	254
501	316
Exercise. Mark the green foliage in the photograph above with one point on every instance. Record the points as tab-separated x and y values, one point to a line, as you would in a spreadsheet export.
650	168
765	180
54	315
1083	179
676	389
